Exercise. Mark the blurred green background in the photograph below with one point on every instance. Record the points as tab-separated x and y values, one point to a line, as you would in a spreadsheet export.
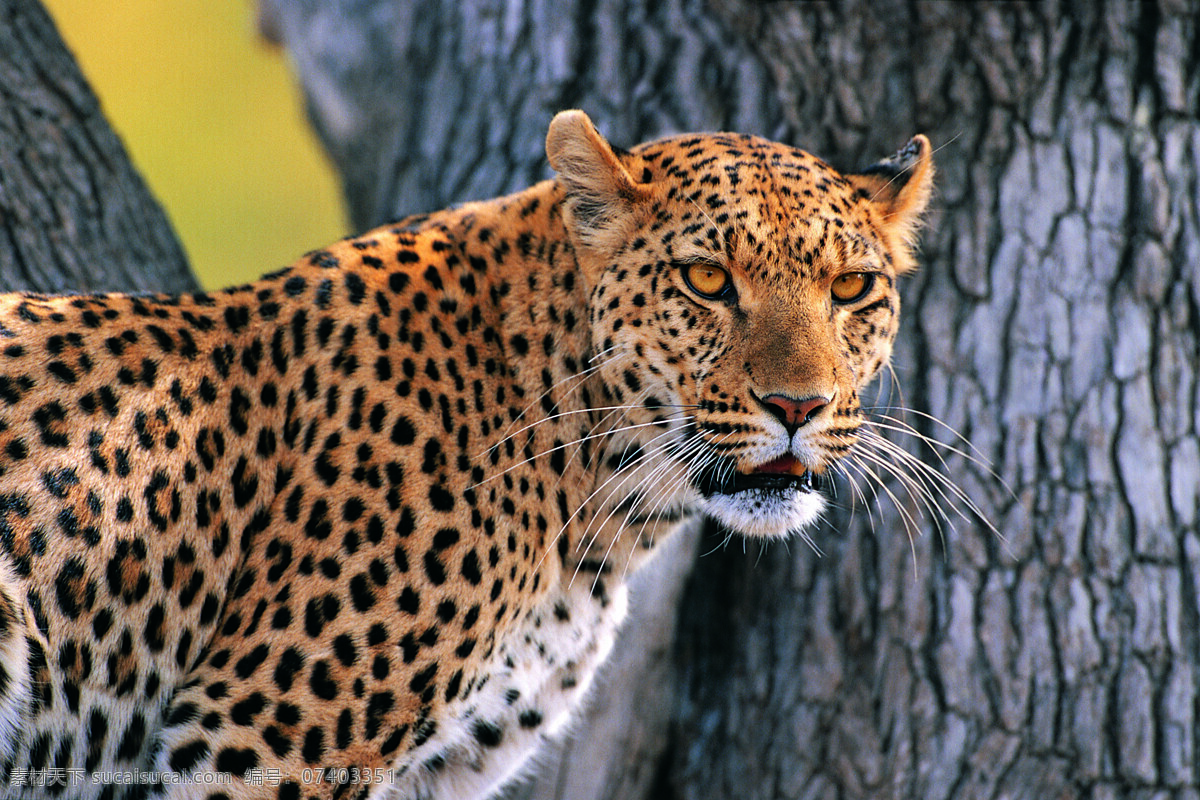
215	123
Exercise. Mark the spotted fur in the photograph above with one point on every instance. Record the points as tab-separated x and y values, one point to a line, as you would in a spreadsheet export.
375	511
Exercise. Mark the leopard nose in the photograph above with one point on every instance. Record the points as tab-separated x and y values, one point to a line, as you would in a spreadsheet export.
792	412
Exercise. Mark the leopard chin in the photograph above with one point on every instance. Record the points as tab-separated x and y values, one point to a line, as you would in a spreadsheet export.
768	511
777	498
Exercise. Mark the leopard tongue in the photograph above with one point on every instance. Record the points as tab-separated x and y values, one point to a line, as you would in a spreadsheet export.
785	464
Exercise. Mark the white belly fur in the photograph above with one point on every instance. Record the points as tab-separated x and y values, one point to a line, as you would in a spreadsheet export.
541	671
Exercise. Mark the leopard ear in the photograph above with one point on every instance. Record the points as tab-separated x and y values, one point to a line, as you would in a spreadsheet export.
901	185
600	191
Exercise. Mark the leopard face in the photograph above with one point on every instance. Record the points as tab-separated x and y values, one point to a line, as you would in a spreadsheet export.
743	292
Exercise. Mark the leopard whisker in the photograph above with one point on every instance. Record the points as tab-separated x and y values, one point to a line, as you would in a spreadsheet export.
688	450
707	454
602	353
582	376
975	456
715	226
638	403
910	524
858	495
915	486
669	461
562	446
909	168
669	455
612	411
721	545
579	507
627	471
565	414
805	537
931	480
579	377
930	476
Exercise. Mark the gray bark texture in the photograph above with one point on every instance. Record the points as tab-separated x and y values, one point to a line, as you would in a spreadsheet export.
1055	325
74	215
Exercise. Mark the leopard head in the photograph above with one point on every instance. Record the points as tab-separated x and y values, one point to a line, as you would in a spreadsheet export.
742	292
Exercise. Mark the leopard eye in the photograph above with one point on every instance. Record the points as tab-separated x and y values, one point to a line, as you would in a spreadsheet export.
707	280
852	286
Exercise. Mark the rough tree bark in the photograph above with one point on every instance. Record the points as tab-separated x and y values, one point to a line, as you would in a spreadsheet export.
74	215
1055	325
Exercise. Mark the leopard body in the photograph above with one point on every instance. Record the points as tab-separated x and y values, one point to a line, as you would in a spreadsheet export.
375	512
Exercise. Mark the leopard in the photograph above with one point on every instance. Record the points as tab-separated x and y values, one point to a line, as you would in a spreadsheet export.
364	527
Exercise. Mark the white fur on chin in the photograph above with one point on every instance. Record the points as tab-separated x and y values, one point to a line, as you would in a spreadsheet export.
765	512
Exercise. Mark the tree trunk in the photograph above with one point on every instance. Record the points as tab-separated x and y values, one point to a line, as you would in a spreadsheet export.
1054	325
74	215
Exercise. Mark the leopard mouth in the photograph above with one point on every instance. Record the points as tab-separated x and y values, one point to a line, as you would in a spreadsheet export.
781	474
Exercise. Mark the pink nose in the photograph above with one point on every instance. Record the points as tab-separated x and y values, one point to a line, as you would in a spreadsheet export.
792	412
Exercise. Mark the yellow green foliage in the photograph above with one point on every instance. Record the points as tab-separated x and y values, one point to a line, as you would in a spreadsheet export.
214	121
